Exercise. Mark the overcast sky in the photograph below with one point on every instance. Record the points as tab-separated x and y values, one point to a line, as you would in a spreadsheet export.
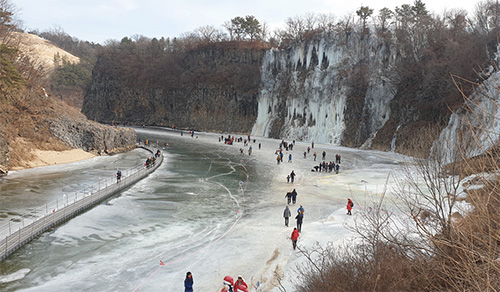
100	20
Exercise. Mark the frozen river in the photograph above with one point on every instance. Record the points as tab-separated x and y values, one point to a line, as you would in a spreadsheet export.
208	209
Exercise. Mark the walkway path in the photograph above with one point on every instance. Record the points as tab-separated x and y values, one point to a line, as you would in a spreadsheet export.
17	233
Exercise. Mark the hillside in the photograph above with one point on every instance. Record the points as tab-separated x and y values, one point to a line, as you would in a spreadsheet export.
42	52
32	120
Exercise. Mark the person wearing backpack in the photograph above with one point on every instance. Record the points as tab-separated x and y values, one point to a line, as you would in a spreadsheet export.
350	204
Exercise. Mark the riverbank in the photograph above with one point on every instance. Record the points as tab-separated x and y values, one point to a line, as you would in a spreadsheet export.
49	157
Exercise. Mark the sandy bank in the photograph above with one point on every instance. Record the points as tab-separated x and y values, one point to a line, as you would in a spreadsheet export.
49	157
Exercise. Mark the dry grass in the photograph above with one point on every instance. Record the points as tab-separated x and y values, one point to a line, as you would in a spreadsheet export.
25	127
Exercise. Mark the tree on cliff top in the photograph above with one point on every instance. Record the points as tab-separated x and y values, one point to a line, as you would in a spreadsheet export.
240	28
364	12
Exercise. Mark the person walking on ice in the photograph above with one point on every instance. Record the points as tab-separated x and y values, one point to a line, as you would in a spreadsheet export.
294	196
300	218
350	204
288	196
287	214
295	235
292	176
188	282
118	176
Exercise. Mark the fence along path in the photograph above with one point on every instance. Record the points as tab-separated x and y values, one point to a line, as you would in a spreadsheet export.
17	233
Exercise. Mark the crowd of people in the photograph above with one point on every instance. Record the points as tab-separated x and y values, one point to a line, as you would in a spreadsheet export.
291	198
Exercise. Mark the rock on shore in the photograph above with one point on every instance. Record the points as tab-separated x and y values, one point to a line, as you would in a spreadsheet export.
91	136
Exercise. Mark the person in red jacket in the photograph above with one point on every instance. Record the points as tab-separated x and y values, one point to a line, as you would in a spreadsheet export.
295	236
228	284
240	285
350	204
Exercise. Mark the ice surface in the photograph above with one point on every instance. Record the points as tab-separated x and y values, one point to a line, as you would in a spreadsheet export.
209	210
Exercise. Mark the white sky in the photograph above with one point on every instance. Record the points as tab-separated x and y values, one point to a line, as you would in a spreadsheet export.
100	20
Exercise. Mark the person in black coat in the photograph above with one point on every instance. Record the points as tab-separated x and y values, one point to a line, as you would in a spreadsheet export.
188	282
299	218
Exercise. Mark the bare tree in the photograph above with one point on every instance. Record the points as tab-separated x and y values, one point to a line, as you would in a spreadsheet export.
325	22
209	34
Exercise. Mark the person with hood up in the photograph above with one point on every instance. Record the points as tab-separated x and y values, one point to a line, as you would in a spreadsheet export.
240	285
295	237
188	282
350	204
228	284
287	214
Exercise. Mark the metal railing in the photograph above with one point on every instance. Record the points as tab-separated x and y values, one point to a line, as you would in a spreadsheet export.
22	229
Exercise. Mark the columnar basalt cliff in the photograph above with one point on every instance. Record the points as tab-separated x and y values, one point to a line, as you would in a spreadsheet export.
381	91
211	88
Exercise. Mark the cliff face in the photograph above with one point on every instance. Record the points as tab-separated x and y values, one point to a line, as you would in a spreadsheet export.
49	124
92	136
325	91
212	89
382	92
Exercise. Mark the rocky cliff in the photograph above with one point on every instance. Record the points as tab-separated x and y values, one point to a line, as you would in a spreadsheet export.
212	88
381	91
49	124
91	136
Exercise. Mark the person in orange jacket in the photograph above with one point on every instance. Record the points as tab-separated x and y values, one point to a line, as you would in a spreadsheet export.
295	236
350	204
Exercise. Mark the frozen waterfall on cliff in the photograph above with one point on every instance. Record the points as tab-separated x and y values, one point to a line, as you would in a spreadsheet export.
478	119
305	90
